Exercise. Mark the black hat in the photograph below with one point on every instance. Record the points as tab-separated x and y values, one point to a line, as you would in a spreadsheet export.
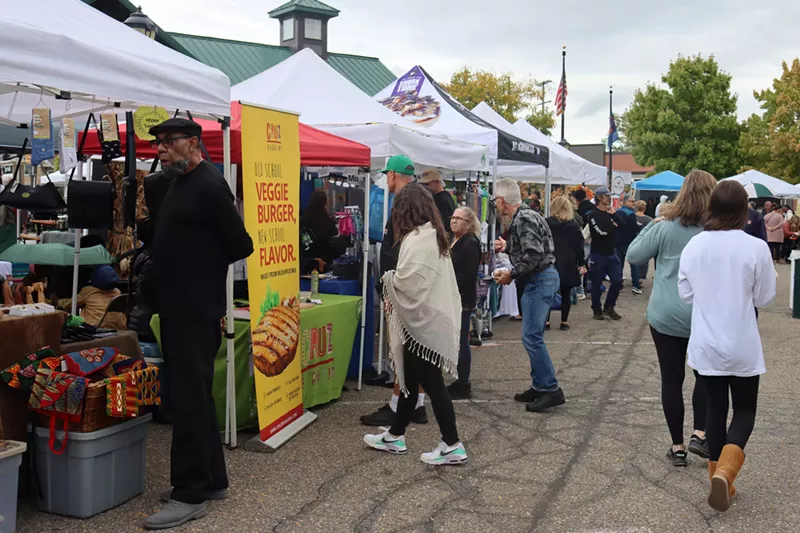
178	125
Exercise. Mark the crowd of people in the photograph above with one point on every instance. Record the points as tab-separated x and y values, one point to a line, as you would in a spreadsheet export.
698	312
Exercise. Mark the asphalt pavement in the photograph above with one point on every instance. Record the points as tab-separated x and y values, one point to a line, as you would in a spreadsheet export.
594	465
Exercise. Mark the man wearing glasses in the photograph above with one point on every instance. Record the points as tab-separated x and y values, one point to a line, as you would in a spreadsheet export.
198	233
531	250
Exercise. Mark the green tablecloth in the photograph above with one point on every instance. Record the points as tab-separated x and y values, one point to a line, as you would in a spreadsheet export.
246	413
327	332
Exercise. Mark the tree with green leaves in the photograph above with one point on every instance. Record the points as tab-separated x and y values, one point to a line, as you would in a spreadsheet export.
690	123
543	120
509	97
771	142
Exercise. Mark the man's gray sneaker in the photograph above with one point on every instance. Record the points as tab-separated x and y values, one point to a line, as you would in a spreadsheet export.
220	494
175	514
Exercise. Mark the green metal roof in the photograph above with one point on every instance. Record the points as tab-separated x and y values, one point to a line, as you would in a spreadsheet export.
307	6
242	60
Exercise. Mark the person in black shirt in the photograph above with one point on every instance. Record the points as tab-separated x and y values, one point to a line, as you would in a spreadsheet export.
319	234
432	179
603	260
466	254
198	234
399	173
584	206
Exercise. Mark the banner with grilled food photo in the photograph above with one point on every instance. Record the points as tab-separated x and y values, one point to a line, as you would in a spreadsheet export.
271	186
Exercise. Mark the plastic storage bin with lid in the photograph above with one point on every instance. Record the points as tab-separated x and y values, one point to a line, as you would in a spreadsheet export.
10	459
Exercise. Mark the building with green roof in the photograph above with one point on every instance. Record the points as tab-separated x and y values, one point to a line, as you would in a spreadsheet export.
303	24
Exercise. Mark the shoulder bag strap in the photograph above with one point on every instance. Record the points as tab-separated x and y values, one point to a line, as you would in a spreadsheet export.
19	162
82	143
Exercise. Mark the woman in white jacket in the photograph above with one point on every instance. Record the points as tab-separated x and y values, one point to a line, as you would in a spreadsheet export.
725	274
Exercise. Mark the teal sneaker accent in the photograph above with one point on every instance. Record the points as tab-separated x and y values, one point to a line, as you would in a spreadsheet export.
445	455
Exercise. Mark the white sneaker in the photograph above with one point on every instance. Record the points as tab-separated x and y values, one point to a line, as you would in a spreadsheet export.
581	296
445	455
637	290
385	442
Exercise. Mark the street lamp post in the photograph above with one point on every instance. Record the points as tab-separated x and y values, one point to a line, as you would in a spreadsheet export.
142	23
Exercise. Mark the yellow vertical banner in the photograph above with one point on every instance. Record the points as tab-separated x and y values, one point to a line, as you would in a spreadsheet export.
271	187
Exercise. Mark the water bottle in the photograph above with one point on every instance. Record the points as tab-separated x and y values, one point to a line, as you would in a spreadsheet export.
315	284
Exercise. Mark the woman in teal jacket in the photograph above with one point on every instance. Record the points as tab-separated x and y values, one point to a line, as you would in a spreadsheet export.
669	317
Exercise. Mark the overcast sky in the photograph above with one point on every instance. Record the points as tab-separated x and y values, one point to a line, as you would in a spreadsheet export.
624	43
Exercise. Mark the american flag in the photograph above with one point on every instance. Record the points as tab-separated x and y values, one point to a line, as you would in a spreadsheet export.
561	95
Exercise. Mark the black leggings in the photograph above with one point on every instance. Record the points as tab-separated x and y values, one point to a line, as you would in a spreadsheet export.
744	392
420	372
566	303
672	361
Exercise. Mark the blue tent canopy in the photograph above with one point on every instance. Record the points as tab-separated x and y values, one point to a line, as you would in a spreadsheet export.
663	181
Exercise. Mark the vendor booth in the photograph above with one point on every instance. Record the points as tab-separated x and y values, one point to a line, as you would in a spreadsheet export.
776	187
663	181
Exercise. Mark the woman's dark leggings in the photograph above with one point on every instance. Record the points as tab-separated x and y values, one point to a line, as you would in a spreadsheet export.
464	352
566	303
420	372
672	361
744	392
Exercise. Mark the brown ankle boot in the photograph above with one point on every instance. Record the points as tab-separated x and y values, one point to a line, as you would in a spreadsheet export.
727	468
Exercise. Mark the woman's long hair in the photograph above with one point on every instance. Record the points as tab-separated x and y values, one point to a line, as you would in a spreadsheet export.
728	207
472	219
561	208
691	205
413	207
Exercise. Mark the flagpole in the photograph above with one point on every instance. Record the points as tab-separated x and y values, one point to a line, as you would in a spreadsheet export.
563	77
609	143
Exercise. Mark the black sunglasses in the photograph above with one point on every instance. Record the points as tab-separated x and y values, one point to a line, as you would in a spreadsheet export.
168	141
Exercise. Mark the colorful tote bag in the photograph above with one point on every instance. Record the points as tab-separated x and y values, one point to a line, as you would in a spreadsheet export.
59	396
127	392
22	374
89	361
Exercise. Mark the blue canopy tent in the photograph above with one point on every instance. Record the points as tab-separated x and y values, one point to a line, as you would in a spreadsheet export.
663	181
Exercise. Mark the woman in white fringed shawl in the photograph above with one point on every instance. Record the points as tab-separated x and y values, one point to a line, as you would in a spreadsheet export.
423	306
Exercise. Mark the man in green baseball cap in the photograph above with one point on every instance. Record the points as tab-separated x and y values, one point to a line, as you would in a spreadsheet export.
399	173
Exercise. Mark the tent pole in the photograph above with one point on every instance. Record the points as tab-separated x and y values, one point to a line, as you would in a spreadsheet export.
364	284
230	424
77	261
383	311
492	227
547	187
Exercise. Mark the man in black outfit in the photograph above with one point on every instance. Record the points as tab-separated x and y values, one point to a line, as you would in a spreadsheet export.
432	179
198	235
584	205
603	260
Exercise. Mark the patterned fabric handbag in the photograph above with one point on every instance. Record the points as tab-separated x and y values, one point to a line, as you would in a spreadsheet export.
22	374
59	396
89	361
127	392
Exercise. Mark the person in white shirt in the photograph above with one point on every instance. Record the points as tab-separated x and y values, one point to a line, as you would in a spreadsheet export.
725	345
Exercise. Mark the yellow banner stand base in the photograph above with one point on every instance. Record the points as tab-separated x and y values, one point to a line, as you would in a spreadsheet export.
272	444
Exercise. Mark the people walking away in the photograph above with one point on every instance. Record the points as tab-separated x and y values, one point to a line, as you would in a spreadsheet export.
531	249
755	223
424	310
465	253
568	251
773	220
603	259
432	179
399	173
628	230
725	346
662	202
642	219
670	318
198	235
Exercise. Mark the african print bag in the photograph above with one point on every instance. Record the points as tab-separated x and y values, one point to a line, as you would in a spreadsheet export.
22	374
59	396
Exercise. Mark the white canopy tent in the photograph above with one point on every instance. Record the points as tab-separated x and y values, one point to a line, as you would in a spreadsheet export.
778	187
566	167
327	101
73	59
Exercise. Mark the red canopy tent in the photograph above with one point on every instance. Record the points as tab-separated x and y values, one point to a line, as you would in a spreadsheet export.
317	148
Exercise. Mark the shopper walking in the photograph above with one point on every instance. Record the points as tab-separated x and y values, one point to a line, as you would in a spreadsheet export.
466	255
669	318
424	310
725	345
399	173
773	220
530	247
568	251
628	230
198	235
603	259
